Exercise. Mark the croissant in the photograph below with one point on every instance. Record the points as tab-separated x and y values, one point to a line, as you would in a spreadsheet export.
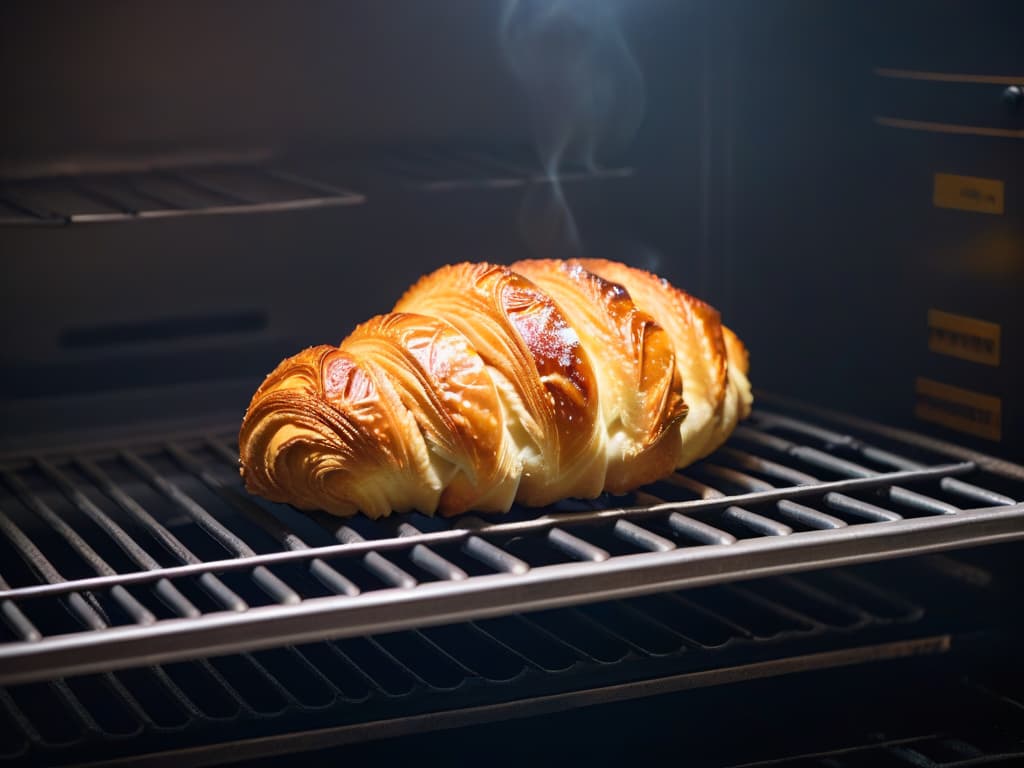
488	385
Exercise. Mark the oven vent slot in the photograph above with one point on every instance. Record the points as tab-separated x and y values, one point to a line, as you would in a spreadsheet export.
164	329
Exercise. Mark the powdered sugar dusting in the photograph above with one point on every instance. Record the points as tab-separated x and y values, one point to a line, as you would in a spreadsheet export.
547	335
569	341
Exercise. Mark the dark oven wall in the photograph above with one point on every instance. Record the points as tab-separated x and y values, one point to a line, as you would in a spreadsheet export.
154	315
752	179
853	277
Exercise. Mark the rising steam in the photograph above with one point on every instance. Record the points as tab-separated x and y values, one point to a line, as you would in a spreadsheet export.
585	94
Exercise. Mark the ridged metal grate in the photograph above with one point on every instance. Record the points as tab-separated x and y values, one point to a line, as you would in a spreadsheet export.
153	552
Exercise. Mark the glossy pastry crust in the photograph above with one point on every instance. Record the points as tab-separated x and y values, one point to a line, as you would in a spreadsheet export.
714	371
489	384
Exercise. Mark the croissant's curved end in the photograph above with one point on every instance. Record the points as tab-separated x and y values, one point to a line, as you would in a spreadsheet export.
739	368
327	432
716	389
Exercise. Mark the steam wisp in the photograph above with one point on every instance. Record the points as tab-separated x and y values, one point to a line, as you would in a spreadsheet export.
584	92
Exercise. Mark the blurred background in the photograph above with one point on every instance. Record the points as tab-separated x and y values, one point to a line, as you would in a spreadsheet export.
191	191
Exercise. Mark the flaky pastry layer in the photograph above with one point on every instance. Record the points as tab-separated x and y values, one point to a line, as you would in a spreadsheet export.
488	385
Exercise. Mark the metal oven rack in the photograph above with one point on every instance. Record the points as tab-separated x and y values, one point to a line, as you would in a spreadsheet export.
355	690
137	554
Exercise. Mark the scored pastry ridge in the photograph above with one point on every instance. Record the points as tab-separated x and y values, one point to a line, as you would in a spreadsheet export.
488	384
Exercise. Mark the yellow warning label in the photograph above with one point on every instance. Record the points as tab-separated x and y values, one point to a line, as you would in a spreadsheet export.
968	193
960	409
965	337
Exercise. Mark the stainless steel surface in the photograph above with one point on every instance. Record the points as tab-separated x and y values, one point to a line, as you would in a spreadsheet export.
297	578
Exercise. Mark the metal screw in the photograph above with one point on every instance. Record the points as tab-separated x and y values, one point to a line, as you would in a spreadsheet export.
1013	96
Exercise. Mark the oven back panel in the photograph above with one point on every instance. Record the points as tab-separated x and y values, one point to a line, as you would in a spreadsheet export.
773	173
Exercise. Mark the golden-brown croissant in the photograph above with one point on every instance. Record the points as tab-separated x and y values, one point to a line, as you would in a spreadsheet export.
488	385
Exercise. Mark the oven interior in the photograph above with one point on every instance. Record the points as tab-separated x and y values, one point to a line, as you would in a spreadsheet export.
190	192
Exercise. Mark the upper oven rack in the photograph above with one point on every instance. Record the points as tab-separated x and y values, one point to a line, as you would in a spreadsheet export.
91	193
157	193
142	553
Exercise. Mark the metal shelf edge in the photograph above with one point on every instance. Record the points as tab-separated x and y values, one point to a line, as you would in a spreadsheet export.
500	594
